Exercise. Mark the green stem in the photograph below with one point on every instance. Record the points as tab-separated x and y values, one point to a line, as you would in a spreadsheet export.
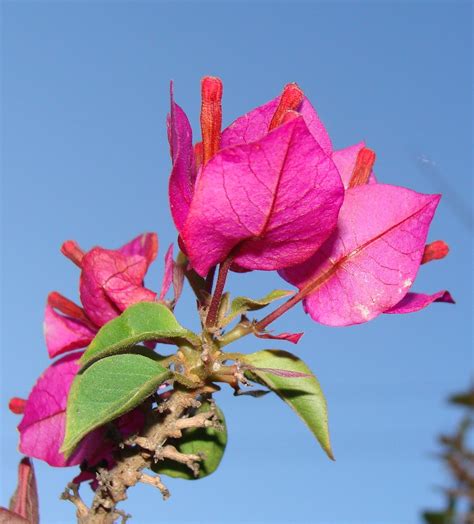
239	331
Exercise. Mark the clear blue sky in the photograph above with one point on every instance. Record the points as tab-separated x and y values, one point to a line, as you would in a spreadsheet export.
85	95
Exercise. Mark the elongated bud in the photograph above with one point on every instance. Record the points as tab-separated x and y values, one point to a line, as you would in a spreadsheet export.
290	100
364	164
198	155
71	250
67	307
435	251
211	116
17	405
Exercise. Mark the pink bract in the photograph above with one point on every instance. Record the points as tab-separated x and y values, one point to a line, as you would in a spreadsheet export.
413	302
253	126
370	262
183	175
43	424
63	333
271	203
111	280
168	273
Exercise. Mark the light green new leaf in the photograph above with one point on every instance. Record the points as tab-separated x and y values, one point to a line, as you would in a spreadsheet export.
107	389
140	322
302	394
240	305
208	441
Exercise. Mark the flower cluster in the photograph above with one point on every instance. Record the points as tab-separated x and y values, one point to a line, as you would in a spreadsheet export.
270	193
110	281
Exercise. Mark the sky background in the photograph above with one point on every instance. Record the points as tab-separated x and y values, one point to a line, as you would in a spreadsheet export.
85	156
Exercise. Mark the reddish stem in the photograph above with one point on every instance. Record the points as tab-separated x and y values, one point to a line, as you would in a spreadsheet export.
278	312
210	279
216	297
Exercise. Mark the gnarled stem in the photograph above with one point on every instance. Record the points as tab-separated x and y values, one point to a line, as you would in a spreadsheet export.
141	453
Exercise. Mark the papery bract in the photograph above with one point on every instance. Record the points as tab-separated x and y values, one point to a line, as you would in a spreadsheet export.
111	280
254	125
43	424
413	302
271	203
168	273
183	174
370	262
65	333
294	338
145	245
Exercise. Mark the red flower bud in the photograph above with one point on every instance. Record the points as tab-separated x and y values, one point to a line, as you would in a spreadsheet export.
435	251
71	250
17	405
364	164
211	116
290	100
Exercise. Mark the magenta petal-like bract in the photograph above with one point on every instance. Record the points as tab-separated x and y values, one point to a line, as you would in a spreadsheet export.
64	333
269	204
294	338
371	260
181	184
110	282
250	127
43	424
253	126
413	302
168	273
315	125
145	245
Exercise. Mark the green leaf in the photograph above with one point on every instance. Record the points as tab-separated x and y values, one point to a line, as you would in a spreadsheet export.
107	389
208	441
241	305
302	394
140	322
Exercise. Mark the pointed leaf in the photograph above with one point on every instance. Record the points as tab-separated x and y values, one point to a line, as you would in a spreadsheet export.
241	305
302	394
208	441
107	389
141	322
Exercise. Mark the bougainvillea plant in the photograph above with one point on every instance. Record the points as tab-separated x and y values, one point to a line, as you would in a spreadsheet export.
268	193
